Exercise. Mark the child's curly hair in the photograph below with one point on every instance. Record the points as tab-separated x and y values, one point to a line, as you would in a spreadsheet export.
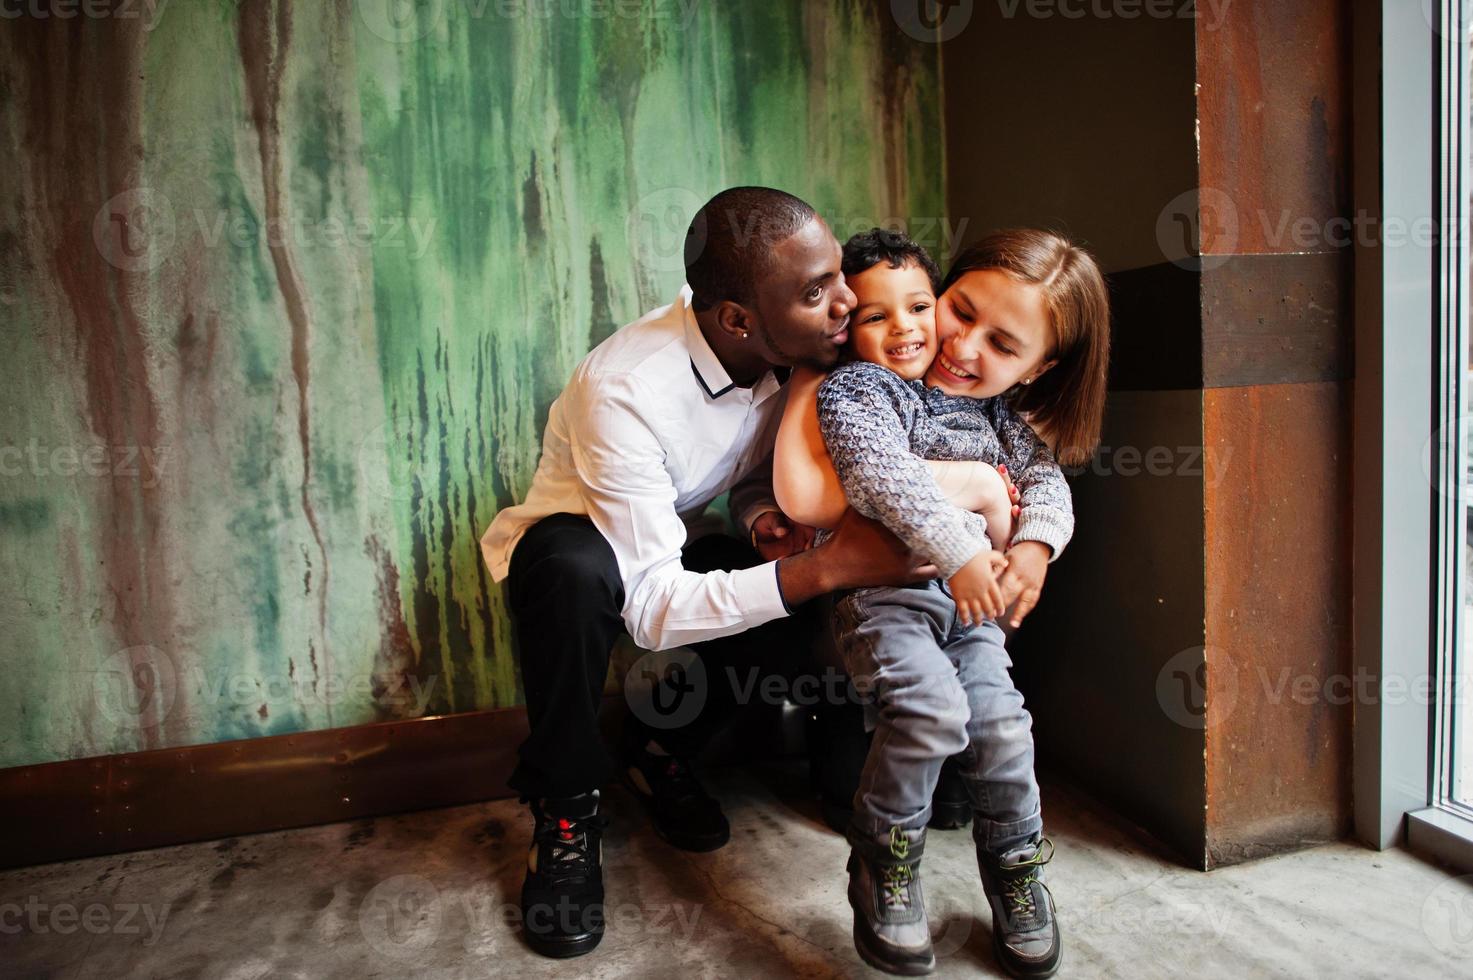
870	248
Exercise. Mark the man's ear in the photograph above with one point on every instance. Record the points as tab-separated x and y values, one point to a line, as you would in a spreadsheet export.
734	320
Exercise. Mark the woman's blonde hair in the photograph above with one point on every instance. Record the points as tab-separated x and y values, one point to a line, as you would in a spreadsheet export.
1068	401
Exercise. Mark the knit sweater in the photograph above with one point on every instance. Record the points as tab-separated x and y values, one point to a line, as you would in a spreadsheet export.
880	429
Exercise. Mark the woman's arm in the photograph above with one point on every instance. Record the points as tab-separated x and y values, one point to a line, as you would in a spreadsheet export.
1047	505
981	489
808	490
970	484
803	478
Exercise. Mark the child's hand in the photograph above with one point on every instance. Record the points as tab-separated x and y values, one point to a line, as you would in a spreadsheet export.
975	590
1027	565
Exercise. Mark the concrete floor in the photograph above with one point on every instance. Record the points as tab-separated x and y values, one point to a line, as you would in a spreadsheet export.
426	895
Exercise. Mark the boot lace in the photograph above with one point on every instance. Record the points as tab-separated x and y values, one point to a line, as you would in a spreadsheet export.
1019	890
897	878
568	843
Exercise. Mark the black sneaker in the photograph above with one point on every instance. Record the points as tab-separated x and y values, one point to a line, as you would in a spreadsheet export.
563	896
1025	931
683	813
951	807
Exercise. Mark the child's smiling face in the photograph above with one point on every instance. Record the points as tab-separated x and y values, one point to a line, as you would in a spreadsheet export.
894	319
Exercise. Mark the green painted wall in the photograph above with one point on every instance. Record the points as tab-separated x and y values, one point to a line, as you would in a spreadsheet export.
288	288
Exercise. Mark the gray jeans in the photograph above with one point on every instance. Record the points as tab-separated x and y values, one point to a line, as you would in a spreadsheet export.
934	688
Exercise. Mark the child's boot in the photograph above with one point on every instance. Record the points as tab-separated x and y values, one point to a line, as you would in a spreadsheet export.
890	928
951	804
1025	931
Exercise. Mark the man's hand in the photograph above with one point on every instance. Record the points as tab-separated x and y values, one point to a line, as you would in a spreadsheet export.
860	553
1022	580
864	553
774	536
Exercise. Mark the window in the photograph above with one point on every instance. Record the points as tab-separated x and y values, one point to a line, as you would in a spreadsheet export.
1413	417
1452	722
1423	717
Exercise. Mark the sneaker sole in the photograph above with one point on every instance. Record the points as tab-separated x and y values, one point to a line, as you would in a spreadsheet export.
562	949
694	843
904	968
1045	969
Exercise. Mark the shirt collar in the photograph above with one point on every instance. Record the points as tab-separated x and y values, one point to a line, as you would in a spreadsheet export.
703	360
771	383
707	368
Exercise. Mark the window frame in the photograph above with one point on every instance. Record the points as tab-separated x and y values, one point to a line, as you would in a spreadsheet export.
1409	544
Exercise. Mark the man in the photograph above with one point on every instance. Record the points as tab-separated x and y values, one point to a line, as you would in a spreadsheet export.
660	419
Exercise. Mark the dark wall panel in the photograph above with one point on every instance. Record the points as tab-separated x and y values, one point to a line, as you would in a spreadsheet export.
1276	319
1080	124
1110	661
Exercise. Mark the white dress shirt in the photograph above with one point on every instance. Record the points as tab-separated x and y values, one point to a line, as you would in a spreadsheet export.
647	433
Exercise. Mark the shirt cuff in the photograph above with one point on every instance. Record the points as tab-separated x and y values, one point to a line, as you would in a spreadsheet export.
957	545
761	598
1045	525
754	511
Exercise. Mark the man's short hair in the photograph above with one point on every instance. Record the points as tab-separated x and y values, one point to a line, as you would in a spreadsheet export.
729	243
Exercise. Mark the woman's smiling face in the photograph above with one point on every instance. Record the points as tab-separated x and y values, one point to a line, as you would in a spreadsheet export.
993	332
894	319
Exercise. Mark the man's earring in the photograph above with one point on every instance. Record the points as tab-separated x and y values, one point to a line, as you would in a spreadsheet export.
1027	381
744	335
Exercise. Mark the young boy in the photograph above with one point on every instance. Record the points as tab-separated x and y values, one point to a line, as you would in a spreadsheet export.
929	657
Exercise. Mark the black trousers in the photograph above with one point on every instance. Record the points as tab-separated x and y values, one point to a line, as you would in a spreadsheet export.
565	594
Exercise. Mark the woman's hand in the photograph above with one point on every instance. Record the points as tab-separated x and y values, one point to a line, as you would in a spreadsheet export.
1015	500
1027	565
774	536
974	587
